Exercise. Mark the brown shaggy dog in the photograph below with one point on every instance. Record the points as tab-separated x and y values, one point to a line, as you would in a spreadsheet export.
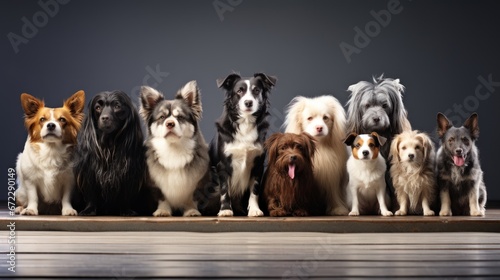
289	187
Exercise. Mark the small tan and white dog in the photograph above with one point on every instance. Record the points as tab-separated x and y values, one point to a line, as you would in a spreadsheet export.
412	158
366	190
44	168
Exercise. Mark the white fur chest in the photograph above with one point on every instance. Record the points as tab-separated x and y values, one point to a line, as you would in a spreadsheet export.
173	170
365	173
243	151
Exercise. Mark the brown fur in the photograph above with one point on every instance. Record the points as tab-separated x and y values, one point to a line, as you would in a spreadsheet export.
285	196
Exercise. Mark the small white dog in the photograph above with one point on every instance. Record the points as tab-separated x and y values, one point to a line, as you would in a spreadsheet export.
366	167
412	171
324	118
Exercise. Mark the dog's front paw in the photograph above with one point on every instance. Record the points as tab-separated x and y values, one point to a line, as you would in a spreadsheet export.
339	211
19	209
429	213
354	213
192	213
445	212
277	212
29	212
162	213
477	213
255	213
400	213
69	212
386	213
300	213
225	213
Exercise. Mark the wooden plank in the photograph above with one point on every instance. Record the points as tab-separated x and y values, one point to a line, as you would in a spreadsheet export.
489	223
251	255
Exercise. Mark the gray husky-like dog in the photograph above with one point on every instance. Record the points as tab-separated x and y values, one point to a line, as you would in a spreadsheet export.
459	174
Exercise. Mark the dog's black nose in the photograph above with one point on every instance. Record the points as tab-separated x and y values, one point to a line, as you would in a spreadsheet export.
365	153
376	120
411	156
248	103
104	118
51	126
459	151
170	124
293	158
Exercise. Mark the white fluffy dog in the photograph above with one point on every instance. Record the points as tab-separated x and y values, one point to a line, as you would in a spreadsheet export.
412	171
324	118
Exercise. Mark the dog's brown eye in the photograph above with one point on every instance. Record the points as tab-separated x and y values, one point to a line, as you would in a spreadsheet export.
42	119
161	117
299	147
240	91
310	118
98	108
357	145
451	139
403	148
367	106
117	107
371	145
417	148
325	118
385	105
63	120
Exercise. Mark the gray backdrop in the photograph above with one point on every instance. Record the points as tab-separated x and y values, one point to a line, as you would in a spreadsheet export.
444	52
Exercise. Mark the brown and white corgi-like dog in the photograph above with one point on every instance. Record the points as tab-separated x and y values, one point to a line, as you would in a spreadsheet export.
44	168
366	190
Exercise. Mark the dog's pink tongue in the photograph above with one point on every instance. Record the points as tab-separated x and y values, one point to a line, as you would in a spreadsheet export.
459	161
291	170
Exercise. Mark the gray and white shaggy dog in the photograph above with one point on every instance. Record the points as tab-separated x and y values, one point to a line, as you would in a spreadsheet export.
377	107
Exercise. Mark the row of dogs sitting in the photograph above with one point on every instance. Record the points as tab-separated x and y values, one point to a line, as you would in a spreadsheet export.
310	168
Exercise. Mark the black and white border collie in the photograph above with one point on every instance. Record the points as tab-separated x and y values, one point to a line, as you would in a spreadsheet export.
237	150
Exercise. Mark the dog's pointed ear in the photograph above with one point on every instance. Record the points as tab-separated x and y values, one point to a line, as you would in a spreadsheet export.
150	97
380	140
75	104
269	81
227	82
190	93
271	146
443	124
472	125
310	144
31	104
349	140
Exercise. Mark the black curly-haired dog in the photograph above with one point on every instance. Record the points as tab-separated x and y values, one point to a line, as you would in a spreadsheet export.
110	166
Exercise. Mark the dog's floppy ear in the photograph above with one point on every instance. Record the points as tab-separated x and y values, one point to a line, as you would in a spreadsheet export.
31	104
427	145
228	82
379	140
293	119
349	140
271	146
191	95
443	124
355	114
150	97
269	81
472	125
310	147
394	149
75	105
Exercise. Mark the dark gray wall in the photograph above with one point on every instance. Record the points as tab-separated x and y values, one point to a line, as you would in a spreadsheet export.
439	50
